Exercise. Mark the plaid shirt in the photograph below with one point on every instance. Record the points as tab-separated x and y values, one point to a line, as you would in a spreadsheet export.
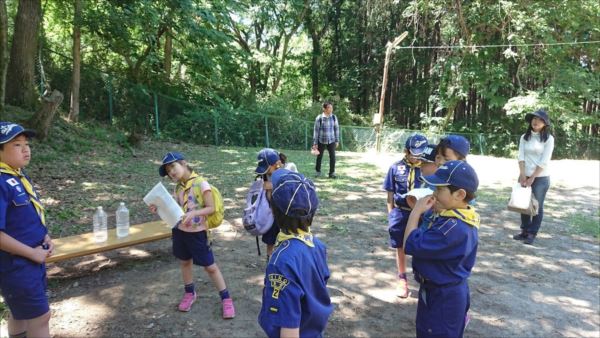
326	130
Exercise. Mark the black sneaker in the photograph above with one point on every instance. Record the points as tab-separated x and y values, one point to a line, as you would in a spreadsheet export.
520	236
332	175
529	240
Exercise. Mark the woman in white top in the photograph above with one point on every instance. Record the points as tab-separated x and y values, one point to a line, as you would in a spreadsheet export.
535	151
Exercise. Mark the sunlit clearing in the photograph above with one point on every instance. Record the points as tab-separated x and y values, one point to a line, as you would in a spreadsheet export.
90	185
565	303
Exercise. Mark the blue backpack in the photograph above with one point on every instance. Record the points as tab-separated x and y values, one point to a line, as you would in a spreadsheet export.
258	216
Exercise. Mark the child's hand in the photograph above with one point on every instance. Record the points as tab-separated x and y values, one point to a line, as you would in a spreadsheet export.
49	245
39	254
188	218
424	204
153	209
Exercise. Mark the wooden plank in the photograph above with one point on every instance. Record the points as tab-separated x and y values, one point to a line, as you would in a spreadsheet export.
84	244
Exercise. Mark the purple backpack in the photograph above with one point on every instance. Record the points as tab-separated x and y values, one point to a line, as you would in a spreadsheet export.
258	216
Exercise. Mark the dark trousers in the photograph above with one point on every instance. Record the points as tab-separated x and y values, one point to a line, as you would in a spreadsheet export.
331	150
539	188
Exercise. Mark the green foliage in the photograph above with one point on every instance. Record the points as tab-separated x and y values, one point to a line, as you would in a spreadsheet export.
585	224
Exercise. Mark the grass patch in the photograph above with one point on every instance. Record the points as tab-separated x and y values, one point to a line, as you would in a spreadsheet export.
584	224
339	228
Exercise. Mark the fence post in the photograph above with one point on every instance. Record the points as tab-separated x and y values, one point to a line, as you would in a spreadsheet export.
341	139
480	144
216	129
110	100
306	135
267	131
156	113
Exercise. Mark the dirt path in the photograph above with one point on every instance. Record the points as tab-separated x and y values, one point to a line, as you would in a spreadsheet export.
546	290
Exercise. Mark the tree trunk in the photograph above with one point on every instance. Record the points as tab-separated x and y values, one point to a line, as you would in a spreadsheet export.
42	120
74	109
168	54
21	67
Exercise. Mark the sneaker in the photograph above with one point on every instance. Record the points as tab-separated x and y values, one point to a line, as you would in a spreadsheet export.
186	302
520	236
228	309
317	174
402	288
529	240
332	175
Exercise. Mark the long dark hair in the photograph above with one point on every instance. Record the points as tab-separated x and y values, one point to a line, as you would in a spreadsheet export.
544	133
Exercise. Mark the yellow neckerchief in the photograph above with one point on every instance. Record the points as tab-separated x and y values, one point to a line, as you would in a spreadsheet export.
187	186
5	168
468	215
411	174
303	236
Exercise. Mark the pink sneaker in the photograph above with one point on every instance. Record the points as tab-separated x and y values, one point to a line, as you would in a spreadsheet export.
186	302
228	309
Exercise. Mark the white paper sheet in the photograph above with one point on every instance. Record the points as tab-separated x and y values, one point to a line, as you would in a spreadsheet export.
167	208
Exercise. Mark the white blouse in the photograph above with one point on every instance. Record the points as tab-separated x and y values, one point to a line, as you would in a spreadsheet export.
536	153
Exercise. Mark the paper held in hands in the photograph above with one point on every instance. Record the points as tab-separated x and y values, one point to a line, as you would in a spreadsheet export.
166	206
419	193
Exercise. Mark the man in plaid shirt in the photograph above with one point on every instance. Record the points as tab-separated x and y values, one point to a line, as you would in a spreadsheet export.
326	134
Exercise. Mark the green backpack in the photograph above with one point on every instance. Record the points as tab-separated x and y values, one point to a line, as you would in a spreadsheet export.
216	218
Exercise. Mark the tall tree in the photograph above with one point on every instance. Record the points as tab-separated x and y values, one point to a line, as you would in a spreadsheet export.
21	67
75	81
3	51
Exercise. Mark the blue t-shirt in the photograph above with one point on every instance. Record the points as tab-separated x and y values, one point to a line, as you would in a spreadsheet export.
400	179
18	216
295	292
445	252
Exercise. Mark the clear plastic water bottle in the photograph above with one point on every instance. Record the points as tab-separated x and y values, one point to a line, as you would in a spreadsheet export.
122	221
100	226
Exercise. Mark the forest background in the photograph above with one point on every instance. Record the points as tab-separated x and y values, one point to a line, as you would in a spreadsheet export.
249	72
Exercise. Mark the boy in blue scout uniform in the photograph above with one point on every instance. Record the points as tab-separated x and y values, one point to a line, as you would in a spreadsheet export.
24	240
452	148
295	301
401	178
444	254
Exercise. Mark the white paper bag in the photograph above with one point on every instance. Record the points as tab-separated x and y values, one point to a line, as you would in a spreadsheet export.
520	198
166	206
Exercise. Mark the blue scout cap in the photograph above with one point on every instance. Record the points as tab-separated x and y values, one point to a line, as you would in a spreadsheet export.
429	153
456	173
294	194
170	157
10	130
266	157
416	144
538	113
457	143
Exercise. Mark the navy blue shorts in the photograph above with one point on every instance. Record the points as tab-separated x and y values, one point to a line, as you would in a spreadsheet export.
192	245
23	286
397	220
270	237
441	311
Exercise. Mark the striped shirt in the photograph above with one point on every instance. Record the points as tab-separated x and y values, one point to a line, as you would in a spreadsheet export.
326	130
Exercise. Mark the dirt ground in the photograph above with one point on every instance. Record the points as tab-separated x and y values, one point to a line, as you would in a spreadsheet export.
550	289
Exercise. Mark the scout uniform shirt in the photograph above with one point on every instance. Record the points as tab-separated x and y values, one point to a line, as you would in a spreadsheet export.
19	217
401	178
295	292
445	252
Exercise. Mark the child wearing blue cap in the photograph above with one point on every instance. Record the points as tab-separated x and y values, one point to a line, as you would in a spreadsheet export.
443	254
24	240
295	300
190	236
268	160
402	177
452	148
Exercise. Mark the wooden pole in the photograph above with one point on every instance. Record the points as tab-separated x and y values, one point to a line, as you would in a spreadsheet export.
388	53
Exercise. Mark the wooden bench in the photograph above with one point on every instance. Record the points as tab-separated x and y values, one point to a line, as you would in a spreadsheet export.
84	244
